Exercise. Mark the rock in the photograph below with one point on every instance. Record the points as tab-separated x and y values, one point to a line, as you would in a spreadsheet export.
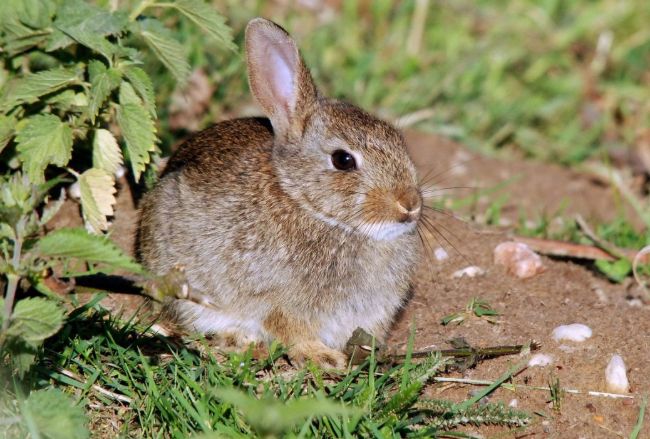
616	376
518	259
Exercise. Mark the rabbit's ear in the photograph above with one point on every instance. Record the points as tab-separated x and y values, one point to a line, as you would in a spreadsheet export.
278	77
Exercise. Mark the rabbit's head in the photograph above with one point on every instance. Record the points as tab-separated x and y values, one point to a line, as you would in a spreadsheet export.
342	165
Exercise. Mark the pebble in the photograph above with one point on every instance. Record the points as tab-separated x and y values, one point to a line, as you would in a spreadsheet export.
518	259
471	271
540	360
575	332
441	254
616	376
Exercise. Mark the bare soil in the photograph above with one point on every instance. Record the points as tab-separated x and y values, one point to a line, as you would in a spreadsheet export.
567	292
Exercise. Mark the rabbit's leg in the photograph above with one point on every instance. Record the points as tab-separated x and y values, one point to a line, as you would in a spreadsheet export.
302	340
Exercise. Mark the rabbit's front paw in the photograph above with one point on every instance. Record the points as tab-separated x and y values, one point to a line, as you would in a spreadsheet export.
320	354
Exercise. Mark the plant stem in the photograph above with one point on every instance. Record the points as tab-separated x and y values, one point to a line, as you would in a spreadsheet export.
144	4
12	285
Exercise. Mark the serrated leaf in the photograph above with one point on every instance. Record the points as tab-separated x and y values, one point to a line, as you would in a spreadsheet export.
36	14
102	82
128	94
169	51
52	208
7	127
44	140
83	18
139	133
97	198
208	19
35	318
92	40
106	152
55	416
81	245
29	88
143	86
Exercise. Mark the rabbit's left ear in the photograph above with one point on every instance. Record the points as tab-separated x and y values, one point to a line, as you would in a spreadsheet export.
278	77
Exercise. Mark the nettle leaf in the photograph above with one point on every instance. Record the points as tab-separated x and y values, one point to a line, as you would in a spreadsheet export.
169	51
137	128
44	140
29	88
106	152
97	198
81	245
208	19
36	14
7	129
52	208
36	318
92	40
55	415
102	82
81	18
142	84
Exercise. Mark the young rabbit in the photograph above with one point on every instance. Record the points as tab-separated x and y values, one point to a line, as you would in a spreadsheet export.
299	228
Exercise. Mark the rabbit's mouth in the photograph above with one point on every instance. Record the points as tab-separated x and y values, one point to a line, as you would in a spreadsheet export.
387	231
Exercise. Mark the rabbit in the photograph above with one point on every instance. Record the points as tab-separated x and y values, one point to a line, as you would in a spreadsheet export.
300	227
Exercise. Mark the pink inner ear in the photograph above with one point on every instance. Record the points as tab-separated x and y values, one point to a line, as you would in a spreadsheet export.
281	78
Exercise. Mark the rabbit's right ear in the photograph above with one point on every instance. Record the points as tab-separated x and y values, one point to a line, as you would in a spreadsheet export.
278	77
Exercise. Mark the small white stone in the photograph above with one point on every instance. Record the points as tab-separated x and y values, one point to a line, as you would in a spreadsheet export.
120	172
471	271
514	403
540	360
74	191
441	254
575	332
616	376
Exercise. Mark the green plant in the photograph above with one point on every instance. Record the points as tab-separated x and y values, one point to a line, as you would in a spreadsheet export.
75	104
172	390
475	307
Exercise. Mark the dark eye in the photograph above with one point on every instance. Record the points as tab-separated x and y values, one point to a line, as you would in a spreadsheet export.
343	161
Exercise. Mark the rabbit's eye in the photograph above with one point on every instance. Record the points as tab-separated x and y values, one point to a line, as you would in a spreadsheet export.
343	161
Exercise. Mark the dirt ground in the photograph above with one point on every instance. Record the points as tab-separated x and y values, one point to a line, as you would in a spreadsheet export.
566	292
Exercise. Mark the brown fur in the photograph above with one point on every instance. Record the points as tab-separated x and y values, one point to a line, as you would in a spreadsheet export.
290	248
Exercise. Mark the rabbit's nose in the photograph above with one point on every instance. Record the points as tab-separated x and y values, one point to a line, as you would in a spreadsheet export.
409	203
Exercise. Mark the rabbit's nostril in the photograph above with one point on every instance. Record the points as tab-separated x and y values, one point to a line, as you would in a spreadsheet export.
409	204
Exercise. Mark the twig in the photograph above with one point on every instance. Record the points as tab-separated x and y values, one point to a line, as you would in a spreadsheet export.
98	388
600	243
614	178
553	247
522	386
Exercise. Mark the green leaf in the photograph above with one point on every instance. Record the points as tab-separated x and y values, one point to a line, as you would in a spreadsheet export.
81	18
81	245
143	86
102	82
29	88
36	14
97	198
22	355
138	131
55	415
169	51
273	417
208	19
92	40
617	270
35	318
7	127
128	94
106	152
44	140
